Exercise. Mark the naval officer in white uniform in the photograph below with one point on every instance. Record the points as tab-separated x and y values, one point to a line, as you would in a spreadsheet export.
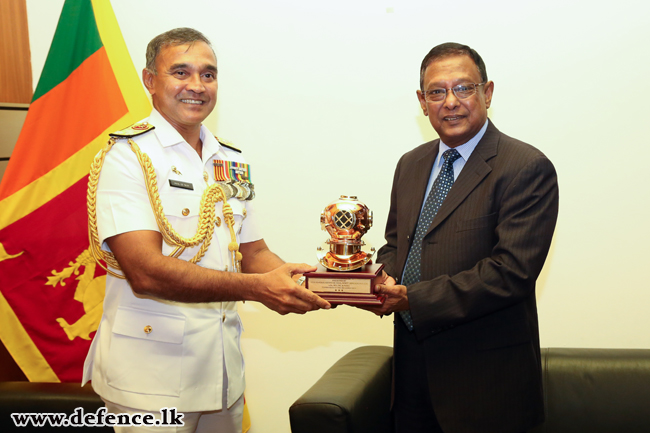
170	332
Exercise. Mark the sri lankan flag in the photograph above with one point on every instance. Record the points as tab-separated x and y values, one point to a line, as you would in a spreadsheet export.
51	292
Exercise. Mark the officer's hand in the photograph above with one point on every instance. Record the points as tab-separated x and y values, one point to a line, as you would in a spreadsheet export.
280	293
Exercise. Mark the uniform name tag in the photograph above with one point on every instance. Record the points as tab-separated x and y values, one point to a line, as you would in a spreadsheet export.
181	184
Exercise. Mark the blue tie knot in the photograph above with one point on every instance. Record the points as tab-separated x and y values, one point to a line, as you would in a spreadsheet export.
450	156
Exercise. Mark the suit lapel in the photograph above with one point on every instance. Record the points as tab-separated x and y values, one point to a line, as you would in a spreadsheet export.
473	173
418	179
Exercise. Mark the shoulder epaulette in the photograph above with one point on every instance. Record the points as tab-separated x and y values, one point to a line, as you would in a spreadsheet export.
133	130
227	144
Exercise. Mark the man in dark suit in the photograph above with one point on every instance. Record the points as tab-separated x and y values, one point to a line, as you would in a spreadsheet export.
470	225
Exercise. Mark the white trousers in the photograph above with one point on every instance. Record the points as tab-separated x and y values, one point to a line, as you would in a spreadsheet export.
227	420
218	421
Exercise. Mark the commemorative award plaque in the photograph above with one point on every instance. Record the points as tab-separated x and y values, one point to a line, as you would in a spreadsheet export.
345	273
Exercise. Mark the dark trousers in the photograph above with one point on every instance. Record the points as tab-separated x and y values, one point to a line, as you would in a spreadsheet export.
412	409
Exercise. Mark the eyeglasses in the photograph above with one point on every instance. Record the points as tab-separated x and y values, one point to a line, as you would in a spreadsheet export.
461	91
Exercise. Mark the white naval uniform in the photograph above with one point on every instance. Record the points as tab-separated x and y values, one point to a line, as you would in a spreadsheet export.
180	362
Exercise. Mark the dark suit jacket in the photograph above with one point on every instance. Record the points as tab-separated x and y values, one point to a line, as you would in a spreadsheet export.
474	309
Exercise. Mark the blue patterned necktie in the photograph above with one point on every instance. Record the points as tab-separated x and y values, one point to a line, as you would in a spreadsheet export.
439	190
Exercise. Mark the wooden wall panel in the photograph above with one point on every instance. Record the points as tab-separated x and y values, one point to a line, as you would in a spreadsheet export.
15	87
12	117
15	55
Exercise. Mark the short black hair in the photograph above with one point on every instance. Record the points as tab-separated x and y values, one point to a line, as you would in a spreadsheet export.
179	36
452	49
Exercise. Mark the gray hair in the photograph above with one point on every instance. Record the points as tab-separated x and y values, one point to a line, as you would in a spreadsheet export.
179	36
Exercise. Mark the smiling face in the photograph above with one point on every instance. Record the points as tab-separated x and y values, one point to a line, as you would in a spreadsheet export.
184	89
455	120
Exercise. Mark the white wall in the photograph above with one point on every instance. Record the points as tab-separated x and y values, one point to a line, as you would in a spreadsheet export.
321	97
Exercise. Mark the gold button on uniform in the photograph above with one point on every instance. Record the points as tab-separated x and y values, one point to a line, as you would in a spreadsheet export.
148	329
205	176
224	317
186	212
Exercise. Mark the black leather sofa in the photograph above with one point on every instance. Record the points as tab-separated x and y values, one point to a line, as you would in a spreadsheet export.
586	391
33	397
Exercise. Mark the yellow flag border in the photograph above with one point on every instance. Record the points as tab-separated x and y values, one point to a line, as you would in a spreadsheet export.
25	201
21	347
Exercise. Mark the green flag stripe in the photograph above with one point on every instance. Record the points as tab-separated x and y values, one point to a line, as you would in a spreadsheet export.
75	39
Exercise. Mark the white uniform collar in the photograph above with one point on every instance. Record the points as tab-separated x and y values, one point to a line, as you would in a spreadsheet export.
169	136
210	144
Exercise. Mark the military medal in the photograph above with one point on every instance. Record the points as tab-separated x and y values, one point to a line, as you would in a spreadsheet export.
230	171
235	177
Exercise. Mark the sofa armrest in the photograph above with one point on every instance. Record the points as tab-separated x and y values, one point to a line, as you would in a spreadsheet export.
352	396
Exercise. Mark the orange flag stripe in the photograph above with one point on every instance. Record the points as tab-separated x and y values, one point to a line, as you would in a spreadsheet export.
78	99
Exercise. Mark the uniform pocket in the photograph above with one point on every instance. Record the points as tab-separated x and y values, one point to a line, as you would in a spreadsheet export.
146	352
181	204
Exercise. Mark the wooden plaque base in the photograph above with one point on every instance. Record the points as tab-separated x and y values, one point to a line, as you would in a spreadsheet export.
346	287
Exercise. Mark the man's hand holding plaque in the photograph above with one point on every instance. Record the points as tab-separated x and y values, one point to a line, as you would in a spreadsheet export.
346	274
394	296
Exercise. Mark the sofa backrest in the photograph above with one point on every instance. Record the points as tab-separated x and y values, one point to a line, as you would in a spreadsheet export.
586	391
596	390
